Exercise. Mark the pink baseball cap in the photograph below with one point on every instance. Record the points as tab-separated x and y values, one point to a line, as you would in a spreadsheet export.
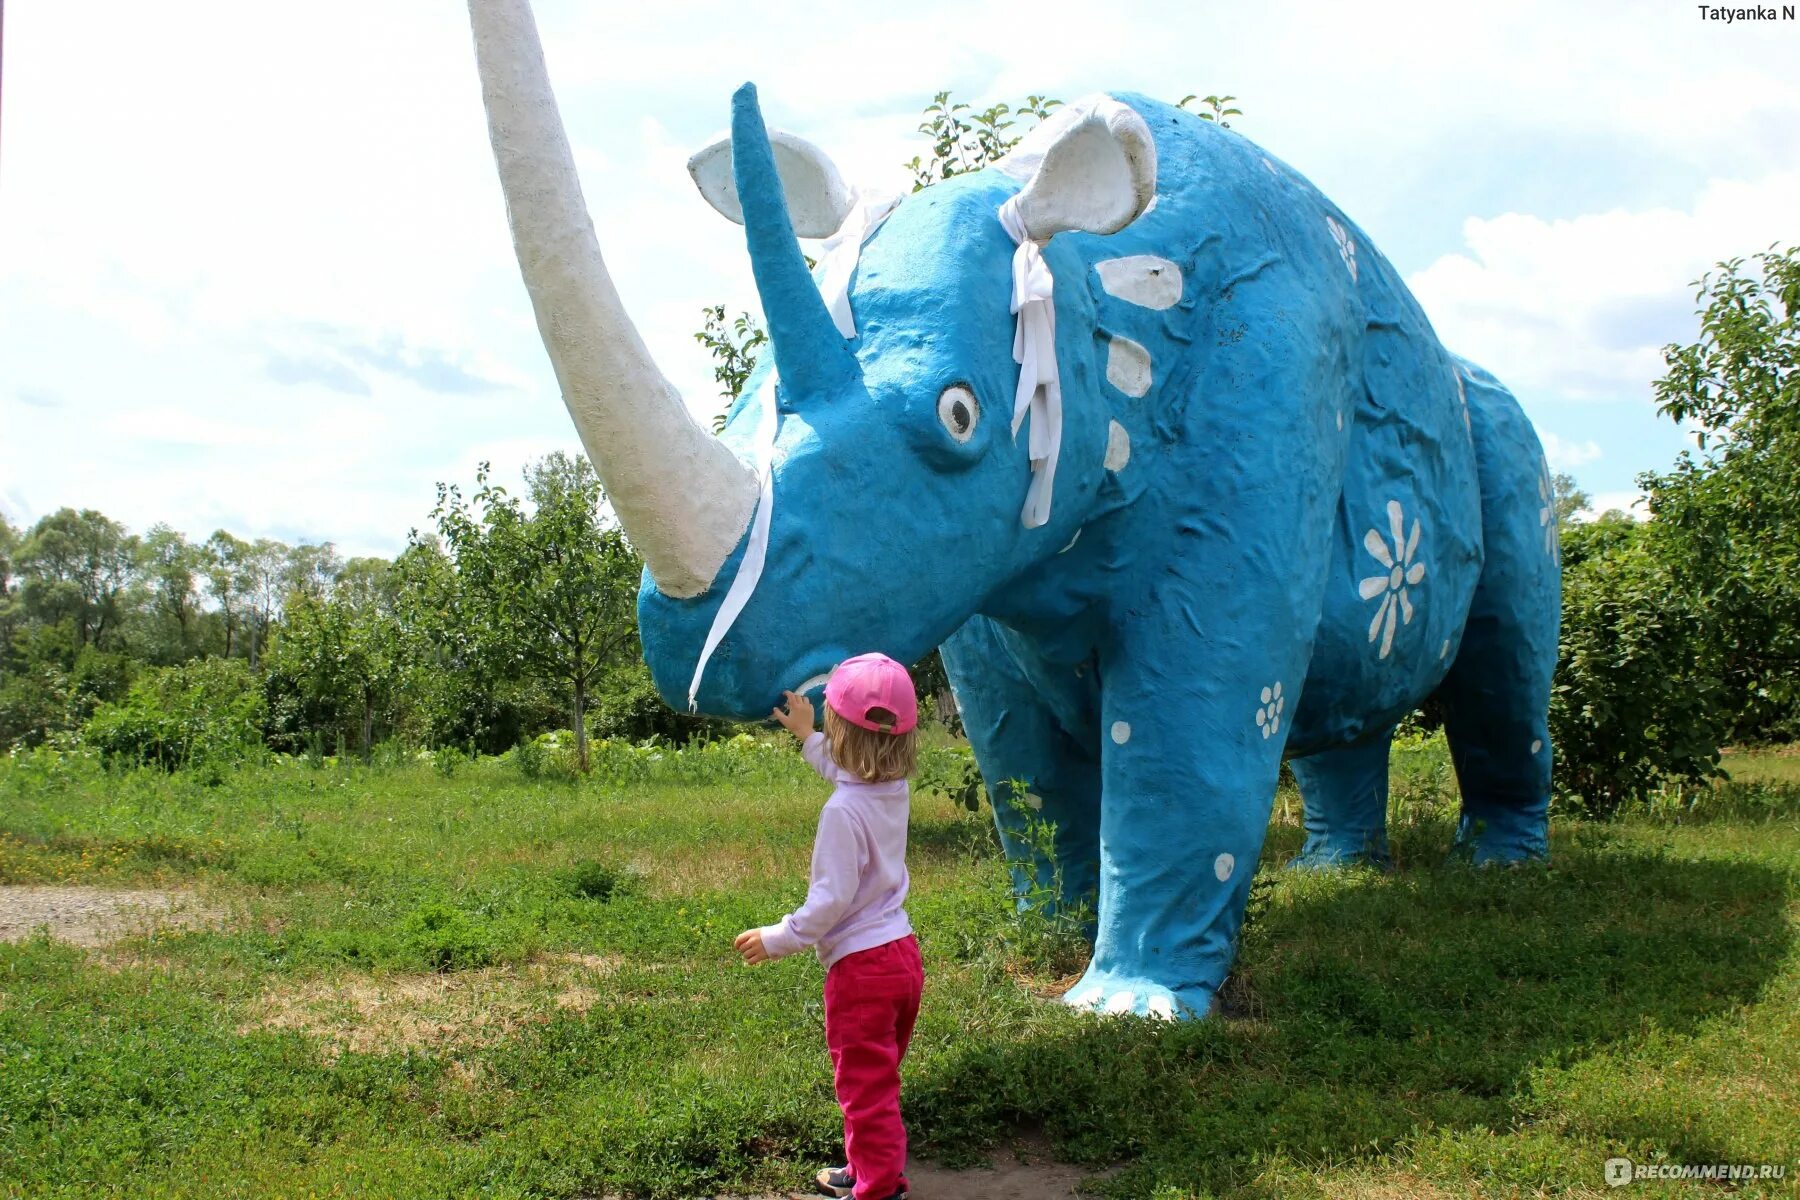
873	681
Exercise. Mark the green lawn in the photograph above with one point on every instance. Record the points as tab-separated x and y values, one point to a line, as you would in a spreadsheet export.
423	986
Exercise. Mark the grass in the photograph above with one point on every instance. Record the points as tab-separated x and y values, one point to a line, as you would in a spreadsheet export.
488	985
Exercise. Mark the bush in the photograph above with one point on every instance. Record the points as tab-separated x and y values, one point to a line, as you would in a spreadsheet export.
206	714
1637	702
626	707
446	938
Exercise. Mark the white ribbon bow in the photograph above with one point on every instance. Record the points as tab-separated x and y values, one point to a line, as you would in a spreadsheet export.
1034	349
839	253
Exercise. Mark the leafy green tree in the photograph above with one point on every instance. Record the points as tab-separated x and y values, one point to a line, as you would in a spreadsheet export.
1727	516
170	568
79	567
225	571
310	569
551	593
1567	498
348	659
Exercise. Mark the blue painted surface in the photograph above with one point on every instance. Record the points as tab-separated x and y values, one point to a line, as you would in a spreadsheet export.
1324	519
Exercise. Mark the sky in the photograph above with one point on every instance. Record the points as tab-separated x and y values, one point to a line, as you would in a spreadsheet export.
255	271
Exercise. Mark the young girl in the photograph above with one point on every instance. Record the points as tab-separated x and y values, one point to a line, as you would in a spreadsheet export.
853	912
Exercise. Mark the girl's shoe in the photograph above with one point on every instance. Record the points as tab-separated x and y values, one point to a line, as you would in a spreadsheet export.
837	1181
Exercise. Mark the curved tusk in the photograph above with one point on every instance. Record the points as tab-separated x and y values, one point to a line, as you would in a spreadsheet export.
683	498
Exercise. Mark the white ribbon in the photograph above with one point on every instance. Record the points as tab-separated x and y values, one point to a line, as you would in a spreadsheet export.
1034	349
750	568
839	252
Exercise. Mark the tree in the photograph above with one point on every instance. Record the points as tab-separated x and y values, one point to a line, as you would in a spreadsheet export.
348	658
170	568
1727	516
552	592
1566	497
225	569
79	567
311	569
266	577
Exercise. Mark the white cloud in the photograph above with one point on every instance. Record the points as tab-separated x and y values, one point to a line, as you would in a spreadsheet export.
1581	308
1631	503
1565	455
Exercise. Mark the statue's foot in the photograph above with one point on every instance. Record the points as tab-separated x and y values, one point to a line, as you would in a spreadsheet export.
1325	856
1501	840
1117	994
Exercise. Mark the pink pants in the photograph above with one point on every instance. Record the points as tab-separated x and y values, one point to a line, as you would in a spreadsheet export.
871	1002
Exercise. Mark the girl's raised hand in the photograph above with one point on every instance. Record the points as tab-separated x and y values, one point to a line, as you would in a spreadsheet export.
797	718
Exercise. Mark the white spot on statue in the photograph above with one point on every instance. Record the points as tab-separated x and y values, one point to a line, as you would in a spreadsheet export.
1392	586
1537	744
1118	446
1161	1008
1444	650
1120	1002
1223	866
1268	713
1128	366
1121	732
1087	998
1033	801
1141	279
1346	245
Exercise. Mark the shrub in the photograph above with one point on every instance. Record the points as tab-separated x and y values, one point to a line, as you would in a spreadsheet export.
1637	701
446	938
206	714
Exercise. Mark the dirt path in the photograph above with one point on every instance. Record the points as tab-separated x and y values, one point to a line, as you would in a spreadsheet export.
90	916
1021	1171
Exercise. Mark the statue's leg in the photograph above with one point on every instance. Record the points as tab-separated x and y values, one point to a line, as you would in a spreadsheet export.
1019	735
1345	792
1496	698
1496	705
1189	781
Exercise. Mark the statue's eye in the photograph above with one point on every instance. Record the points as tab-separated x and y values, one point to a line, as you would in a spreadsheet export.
959	411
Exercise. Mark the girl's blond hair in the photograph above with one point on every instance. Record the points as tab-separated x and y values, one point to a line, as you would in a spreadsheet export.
869	754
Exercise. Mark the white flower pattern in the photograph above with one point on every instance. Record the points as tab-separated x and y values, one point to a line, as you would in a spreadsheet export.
1346	245
1547	513
1268	713
1402	573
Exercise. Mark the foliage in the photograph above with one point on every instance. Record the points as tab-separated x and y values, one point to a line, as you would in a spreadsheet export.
963	140
206	714
1637	702
734	346
551	593
1727	516
950	771
1212	108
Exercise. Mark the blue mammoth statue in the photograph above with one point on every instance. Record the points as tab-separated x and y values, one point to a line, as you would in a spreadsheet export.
1141	430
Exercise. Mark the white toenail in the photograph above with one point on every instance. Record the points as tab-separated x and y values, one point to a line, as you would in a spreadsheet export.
1121	732
1120	1003
1162	1008
1087	998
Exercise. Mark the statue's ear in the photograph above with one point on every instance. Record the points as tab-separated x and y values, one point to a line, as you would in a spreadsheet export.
1090	166
817	198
